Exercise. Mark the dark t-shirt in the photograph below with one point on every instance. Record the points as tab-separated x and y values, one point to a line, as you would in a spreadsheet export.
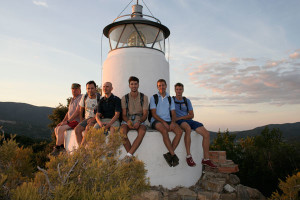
108	107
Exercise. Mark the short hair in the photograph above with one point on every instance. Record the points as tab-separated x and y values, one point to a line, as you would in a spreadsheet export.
133	78
75	86
178	85
161	80
91	82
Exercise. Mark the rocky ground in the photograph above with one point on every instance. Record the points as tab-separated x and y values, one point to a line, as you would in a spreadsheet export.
214	184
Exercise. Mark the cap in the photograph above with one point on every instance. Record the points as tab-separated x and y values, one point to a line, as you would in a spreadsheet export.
75	86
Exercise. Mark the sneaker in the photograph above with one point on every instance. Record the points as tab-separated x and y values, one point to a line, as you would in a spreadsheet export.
168	157
190	162
208	163
175	160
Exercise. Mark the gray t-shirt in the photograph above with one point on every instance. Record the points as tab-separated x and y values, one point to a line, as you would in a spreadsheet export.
73	106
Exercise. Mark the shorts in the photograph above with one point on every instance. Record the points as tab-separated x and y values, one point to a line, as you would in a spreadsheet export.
193	124
115	124
123	122
84	123
155	122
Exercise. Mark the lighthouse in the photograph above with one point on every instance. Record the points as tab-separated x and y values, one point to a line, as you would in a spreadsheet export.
137	48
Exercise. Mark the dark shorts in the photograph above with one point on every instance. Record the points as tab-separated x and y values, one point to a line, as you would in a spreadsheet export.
155	122
84	123
193	124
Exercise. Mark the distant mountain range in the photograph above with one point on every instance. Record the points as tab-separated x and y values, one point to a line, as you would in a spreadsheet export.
32	121
290	131
25	119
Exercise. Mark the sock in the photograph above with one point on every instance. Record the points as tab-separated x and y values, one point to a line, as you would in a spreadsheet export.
129	154
188	156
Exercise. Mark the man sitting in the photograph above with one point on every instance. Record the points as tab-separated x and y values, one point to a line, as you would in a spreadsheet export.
163	119
109	109
88	107
70	120
134	114
185	114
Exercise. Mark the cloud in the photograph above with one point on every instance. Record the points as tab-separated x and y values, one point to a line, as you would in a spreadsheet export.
40	3
295	55
274	82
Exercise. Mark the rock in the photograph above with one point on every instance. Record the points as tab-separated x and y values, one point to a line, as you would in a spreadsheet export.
242	193
186	194
254	193
229	188
206	195
228	196
149	195
233	179
214	185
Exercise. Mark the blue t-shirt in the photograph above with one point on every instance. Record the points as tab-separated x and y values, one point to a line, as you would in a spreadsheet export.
163	107
182	111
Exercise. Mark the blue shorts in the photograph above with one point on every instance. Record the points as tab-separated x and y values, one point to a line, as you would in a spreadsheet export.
193	124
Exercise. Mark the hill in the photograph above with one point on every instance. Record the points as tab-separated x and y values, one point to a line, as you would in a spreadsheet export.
25	119
290	131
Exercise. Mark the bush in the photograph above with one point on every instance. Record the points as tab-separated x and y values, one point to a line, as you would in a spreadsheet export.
290	188
91	172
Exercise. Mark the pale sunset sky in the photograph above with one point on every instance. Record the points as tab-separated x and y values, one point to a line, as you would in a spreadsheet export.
239	60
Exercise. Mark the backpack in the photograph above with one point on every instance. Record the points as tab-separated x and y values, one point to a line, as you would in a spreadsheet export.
127	100
98	97
184	102
155	96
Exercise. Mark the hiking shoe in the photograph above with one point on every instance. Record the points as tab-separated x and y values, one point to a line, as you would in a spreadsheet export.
57	150
190	161
175	160
208	163
168	157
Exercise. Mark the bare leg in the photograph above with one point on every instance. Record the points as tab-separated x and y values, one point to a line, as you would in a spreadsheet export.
205	142
138	140
178	133
187	137
59	133
78	132
162	129
126	142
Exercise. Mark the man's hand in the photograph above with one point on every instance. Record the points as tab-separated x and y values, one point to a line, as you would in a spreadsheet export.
166	125
91	120
130	124
172	126
107	126
62	123
137	125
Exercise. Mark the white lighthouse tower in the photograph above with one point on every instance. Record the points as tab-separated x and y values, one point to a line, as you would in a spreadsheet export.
137	48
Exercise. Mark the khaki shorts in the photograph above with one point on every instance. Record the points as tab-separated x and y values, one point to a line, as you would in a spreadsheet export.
105	120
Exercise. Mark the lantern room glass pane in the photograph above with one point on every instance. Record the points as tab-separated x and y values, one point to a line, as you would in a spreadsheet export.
137	35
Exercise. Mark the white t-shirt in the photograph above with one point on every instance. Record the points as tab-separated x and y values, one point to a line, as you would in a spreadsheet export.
90	105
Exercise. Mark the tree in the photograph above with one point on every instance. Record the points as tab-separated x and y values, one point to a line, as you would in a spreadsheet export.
290	188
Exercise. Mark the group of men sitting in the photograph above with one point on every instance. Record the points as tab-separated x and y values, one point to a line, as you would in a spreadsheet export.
168	114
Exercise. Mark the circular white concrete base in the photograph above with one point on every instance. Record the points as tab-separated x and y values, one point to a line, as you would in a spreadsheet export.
151	153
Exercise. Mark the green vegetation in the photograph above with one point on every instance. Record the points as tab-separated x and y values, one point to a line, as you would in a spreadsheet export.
262	159
289	188
92	172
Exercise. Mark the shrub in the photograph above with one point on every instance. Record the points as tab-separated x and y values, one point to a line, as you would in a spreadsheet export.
91	172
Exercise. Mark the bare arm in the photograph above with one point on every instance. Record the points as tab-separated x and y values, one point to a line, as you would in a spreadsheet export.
190	115
115	118
81	113
98	115
75	114
145	115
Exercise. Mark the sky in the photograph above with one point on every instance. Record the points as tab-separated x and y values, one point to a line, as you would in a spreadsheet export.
239	60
